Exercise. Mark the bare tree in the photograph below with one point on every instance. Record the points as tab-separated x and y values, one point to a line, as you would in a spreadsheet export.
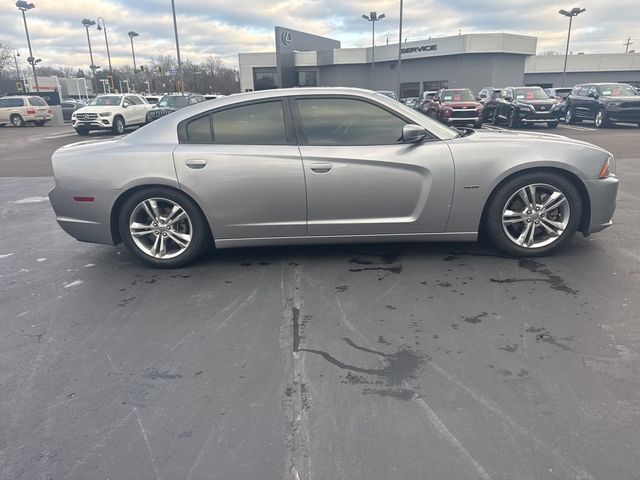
7	70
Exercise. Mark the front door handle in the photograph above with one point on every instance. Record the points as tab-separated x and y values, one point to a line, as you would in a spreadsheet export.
195	163
321	167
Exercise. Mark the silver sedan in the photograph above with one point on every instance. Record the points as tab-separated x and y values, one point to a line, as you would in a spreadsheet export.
326	165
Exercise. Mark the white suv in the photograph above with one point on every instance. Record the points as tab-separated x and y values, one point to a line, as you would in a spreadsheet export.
111	112
19	110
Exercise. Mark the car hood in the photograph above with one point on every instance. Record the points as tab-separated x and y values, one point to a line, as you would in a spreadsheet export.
462	104
97	108
506	135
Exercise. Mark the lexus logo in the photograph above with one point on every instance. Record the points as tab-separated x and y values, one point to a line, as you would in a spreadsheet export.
286	38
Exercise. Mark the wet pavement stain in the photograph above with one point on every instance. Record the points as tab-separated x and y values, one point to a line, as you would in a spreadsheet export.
543	335
155	374
556	282
382	263
342	288
396	369
475	318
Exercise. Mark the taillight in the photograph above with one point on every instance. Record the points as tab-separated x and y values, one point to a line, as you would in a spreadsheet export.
31	111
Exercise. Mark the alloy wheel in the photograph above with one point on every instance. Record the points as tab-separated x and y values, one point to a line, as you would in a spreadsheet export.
536	215
160	228
599	120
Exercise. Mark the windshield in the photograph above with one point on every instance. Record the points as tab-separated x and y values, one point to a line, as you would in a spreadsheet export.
174	101
107	100
457	96
530	94
614	90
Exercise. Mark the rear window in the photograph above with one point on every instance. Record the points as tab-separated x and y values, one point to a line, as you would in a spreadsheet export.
37	102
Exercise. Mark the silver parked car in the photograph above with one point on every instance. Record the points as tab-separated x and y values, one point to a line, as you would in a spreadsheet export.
326	165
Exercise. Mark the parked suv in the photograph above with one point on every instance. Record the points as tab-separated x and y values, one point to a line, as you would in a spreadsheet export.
525	105
604	103
456	106
172	102
487	97
111	112
19	110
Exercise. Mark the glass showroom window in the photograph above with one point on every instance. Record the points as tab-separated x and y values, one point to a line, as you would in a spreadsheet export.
307	78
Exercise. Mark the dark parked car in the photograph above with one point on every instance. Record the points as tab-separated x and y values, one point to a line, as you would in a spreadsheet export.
170	103
456	106
603	103
526	105
487	97
559	94
69	107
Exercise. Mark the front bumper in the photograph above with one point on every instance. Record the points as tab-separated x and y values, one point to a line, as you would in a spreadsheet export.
602	196
630	115
100	123
454	120
527	116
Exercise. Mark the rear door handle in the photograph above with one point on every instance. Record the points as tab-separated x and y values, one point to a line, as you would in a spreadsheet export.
195	163
321	167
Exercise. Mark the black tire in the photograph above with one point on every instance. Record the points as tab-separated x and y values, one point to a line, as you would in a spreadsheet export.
17	120
493	219
39	123
82	132
601	120
118	126
200	233
512	118
477	124
553	124
495	120
570	115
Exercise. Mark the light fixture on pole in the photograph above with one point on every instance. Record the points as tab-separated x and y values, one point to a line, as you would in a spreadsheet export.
175	29
373	17
400	51
133	52
574	12
23	7
106	41
90	23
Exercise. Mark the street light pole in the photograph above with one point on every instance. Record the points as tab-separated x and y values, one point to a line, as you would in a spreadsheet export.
175	29
373	18
93	67
23	7
574	12
400	51
133	53
106	41
16	54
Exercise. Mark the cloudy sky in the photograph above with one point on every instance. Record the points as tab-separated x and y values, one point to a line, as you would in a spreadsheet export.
225	27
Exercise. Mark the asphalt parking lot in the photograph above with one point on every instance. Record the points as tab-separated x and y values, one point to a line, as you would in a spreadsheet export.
416	361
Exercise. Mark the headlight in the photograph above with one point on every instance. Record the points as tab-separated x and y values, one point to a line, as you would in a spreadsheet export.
608	168
105	114
73	115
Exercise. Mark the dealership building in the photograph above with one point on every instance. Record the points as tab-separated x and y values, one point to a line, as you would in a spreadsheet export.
472	60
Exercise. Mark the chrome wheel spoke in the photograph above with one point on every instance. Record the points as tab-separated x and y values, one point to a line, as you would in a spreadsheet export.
140	229
525	198
554	201
524	234
173	213
509	217
180	238
552	230
178	218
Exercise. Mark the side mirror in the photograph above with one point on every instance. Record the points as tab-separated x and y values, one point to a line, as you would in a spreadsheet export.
413	133
125	104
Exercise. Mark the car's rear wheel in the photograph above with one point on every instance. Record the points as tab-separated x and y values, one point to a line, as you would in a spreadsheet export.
533	214
39	123
17	121
118	126
163	227
512	118
601	120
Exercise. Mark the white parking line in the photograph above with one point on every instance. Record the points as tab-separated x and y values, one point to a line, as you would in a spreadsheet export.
60	135
574	127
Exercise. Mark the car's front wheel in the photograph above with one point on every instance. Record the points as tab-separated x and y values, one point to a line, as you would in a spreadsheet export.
533	214
82	131
601	120
163	227
512	118
118	126
569	116
17	121
477	124
553	124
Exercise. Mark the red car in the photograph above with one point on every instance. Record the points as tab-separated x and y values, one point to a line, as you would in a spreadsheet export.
456	106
